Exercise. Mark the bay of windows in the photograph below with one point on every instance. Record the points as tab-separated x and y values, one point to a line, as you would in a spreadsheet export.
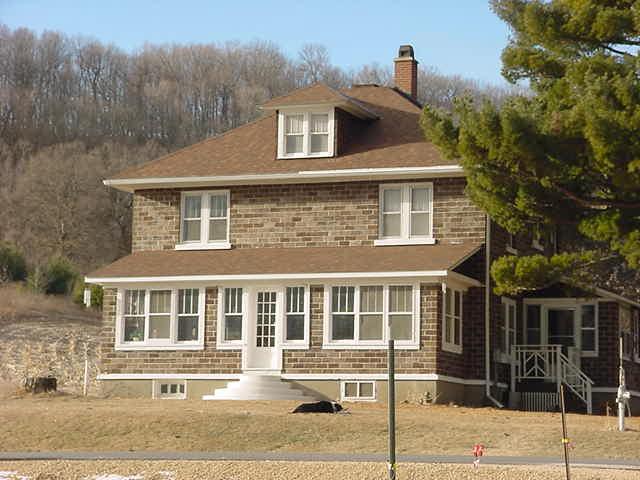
204	220
160	317
370	314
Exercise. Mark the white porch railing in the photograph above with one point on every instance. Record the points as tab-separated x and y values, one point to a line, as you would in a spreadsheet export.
548	363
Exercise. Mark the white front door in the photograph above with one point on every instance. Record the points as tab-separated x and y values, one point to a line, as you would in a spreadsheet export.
262	350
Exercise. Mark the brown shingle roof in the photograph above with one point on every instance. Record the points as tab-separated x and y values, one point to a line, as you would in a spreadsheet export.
394	140
278	261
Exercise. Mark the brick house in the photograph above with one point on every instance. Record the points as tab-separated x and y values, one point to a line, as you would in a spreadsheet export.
286	252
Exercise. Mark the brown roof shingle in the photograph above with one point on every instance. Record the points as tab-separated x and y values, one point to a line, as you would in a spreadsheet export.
256	261
394	140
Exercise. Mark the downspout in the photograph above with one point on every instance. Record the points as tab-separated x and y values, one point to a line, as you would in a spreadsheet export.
487	315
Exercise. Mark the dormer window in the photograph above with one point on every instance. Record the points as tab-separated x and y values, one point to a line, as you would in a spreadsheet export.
305	133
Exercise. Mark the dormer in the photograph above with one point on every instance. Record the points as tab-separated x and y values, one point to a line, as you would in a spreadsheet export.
307	126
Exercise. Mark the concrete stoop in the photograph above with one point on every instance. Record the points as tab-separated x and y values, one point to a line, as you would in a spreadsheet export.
260	387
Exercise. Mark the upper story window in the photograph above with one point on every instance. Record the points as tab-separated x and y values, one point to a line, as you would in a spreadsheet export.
204	220
305	133
406	214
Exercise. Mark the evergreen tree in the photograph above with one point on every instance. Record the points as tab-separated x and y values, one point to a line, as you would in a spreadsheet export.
567	155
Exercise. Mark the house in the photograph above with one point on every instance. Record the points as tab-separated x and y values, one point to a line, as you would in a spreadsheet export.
286	252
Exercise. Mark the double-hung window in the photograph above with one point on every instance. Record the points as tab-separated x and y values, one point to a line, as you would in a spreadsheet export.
507	332
406	214
231	318
296	319
589	330
452	320
368	315
162	319
305	133
204	220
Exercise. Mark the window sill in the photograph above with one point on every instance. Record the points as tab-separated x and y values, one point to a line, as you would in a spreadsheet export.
133	348
303	155
376	346
203	246
452	349
383	242
511	250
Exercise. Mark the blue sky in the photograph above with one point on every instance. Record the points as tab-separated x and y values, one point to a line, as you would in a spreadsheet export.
457	37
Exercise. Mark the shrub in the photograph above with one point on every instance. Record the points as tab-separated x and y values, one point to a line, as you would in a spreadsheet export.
13	267
59	276
96	294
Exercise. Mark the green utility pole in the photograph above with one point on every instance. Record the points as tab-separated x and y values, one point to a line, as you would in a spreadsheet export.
391	386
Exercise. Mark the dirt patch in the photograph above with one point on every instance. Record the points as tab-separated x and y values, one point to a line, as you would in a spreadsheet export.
101	470
42	335
71	423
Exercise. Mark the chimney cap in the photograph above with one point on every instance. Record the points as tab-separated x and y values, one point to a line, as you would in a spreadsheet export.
405	51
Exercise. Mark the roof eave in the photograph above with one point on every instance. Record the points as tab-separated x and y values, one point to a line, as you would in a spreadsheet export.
304	176
354	108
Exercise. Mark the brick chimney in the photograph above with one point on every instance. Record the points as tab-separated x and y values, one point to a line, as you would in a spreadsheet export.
406	71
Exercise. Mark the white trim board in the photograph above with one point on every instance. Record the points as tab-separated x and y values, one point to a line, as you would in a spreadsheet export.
437	276
304	176
293	376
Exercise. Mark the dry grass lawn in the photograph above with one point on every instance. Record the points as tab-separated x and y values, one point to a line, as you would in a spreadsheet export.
69	423
286	470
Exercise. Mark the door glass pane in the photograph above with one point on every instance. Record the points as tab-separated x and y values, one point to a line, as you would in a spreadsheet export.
187	328
401	327
342	327
370	327
266	319
391	200
420	225
561	327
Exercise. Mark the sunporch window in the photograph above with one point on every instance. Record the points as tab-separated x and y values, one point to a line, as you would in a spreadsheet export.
368	315
159	319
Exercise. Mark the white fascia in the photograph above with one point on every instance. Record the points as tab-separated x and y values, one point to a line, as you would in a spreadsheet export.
436	276
303	176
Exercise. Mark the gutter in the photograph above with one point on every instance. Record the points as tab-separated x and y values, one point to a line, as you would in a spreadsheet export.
487	317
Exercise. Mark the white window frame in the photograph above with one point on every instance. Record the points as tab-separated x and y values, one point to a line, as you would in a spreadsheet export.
205	209
511	244
358	398
157	385
570	303
537	240
296	344
405	237
413	344
172	342
221	343
453	347
306	133
508	328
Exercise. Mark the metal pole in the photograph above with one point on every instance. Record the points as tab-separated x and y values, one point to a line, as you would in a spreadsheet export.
565	440
391	387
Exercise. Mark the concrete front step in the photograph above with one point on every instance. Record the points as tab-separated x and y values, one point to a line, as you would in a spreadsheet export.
260	387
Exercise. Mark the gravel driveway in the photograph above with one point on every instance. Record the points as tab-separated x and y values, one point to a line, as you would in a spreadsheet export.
138	470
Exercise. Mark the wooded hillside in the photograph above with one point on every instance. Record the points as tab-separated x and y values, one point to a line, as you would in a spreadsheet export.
74	110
